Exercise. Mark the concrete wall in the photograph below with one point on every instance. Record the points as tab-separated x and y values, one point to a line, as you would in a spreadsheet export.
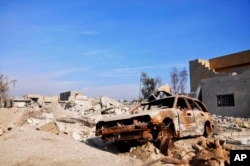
202	69
52	99
64	96
35	96
230	62
199	69
239	85
42	99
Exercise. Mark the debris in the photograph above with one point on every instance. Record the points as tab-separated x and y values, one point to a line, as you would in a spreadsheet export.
76	136
242	123
213	154
146	152
108	102
162	120
78	121
50	127
172	160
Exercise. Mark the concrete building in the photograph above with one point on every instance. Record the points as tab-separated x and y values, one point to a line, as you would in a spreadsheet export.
223	83
40	100
65	96
20	103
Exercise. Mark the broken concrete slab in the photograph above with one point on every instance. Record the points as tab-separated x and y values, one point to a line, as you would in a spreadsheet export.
241	122
76	136
41	120
108	102
50	127
146	152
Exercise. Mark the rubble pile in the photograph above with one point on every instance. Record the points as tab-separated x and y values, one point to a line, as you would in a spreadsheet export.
102	105
193	151
211	152
230	134
146	152
94	109
232	130
80	114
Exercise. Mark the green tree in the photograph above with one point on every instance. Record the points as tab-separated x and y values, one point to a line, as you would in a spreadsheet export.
148	85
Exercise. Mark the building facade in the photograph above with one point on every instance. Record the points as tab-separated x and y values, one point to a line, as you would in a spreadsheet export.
223	83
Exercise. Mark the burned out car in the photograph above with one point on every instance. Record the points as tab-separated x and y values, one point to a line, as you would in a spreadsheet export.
159	120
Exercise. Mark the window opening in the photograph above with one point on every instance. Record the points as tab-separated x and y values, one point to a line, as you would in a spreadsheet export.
181	104
225	100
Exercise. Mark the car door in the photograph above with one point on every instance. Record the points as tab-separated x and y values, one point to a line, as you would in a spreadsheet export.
198	116
186	117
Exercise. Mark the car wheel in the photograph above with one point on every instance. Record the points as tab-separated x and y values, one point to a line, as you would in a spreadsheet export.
167	142
207	130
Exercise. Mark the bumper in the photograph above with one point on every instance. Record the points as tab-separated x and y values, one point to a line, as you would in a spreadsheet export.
125	133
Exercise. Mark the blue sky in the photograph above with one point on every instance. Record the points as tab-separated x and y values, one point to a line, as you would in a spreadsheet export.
100	47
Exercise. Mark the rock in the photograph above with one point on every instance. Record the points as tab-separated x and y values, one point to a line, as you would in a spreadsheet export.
76	136
36	121
29	121
242	123
244	141
197	147
203	143
108	102
48	116
50	127
119	111
97	107
92	119
79	103
150	148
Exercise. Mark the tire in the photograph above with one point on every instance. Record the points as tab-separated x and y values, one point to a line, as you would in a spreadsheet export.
167	142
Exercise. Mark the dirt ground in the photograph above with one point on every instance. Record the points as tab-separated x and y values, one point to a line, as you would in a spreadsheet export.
21	144
24	146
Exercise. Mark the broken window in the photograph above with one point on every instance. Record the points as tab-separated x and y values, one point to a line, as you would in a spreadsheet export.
181	104
192	104
225	100
167	102
204	109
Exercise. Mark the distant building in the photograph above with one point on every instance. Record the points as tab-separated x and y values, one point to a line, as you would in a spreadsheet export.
65	96
223	83
40	100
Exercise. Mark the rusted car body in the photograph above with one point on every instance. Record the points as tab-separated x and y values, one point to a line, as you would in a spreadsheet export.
174	116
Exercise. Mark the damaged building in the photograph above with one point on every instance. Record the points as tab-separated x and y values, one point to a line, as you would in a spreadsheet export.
66	96
222	83
41	101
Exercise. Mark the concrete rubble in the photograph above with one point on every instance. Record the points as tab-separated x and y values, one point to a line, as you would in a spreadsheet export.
80	125
94	109
214	151
80	114
232	130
